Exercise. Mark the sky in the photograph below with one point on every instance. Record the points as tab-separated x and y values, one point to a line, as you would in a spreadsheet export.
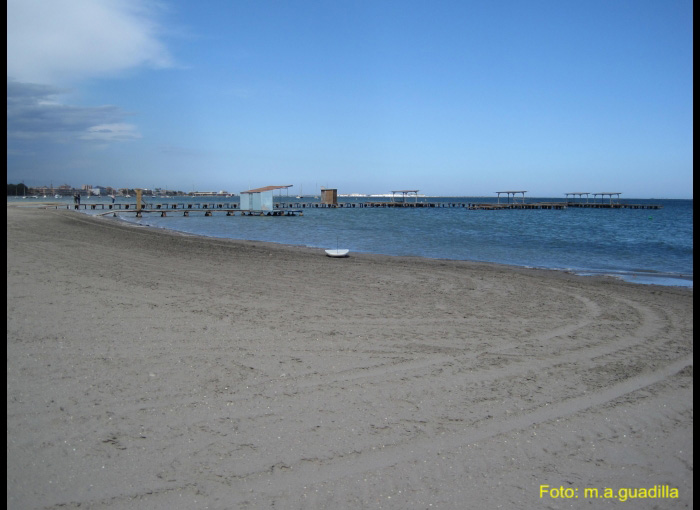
367	96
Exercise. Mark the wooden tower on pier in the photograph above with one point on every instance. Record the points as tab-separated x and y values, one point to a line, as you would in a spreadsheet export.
329	196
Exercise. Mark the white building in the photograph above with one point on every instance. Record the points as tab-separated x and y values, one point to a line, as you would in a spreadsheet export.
259	199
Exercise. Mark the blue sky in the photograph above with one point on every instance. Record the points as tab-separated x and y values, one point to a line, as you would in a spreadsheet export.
448	97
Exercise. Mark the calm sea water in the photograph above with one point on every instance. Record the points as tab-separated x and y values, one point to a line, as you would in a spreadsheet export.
638	245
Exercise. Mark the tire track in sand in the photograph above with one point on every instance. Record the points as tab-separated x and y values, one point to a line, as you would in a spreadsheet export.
315	471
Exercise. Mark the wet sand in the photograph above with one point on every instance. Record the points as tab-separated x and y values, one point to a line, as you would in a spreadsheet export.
147	369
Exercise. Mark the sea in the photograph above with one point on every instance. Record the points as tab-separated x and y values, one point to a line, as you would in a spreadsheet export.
644	246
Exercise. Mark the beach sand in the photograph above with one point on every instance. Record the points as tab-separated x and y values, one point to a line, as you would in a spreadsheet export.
147	369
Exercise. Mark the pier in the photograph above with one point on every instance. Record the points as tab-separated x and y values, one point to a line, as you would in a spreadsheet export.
297	208
608	200
259	202
163	209
615	206
518	205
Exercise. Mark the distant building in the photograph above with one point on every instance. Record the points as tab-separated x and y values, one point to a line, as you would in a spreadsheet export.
221	193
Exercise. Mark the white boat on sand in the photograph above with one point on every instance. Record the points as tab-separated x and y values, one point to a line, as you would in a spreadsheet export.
337	253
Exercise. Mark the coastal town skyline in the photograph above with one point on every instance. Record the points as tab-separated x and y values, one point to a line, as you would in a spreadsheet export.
99	190
449	98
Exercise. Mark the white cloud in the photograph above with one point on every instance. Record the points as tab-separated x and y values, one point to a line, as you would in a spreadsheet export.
112	132
59	41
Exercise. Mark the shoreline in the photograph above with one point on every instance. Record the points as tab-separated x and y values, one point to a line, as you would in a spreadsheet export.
641	277
160	370
636	277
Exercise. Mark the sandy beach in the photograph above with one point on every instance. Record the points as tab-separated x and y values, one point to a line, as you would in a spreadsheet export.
152	370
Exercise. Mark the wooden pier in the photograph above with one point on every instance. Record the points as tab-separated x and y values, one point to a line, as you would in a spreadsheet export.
518	205
185	209
435	205
608	200
614	206
297	208
282	207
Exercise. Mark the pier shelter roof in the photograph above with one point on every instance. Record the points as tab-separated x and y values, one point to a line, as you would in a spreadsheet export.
404	193
607	194
267	188
509	194
578	194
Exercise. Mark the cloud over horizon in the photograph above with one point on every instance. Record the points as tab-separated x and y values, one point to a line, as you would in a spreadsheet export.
34	114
